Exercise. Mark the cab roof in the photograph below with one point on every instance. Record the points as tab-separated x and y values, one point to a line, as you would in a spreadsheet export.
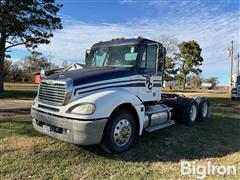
122	41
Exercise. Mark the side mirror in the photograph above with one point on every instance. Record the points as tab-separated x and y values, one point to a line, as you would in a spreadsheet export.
86	55
161	66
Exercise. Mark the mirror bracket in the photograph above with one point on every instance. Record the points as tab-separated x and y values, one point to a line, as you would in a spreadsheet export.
86	55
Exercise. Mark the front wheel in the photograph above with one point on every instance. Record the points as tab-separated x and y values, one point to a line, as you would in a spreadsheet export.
120	131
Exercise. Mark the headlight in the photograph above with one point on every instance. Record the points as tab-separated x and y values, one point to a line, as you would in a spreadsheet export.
84	109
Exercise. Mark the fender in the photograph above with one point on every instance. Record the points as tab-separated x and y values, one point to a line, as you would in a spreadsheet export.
107	101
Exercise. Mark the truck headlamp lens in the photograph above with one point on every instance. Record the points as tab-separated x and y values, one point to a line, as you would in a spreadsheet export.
84	109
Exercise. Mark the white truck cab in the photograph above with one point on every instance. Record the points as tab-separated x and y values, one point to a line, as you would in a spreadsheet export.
114	98
236	90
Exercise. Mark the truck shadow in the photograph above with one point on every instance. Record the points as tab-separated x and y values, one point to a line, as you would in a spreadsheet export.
217	137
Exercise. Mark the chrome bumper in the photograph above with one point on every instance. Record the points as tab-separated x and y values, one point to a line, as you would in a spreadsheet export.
81	132
235	96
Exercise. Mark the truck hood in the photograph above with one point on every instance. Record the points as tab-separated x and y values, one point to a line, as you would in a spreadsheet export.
90	75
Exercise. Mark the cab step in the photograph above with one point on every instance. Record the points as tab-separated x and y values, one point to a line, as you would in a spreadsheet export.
154	128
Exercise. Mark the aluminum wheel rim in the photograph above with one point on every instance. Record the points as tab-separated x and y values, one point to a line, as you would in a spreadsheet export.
193	113
122	132
204	109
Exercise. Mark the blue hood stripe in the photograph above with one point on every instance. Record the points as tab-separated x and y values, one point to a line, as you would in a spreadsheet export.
115	82
124	85
91	75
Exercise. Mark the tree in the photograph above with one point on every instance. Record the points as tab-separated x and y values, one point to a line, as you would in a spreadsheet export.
170	69
194	81
65	64
28	23
171	45
16	73
189	59
24	69
169	42
7	69
34	63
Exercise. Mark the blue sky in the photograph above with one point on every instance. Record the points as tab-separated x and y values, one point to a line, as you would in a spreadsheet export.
212	23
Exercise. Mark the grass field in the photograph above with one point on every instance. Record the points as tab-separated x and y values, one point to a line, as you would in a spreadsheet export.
26	154
19	91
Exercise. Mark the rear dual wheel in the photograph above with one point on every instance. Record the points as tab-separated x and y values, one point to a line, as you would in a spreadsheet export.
184	110
204	108
189	110
191	113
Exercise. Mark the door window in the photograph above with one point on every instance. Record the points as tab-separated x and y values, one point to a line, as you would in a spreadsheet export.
149	59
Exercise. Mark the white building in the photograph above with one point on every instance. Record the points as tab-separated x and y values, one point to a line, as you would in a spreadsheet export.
169	84
73	67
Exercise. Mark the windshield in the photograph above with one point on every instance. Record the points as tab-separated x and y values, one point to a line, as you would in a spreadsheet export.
114	56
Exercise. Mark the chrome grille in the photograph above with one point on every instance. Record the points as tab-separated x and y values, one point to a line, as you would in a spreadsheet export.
52	92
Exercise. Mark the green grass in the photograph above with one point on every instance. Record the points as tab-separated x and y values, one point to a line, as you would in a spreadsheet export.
19	91
24	153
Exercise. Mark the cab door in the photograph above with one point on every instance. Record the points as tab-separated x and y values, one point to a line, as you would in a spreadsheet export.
148	72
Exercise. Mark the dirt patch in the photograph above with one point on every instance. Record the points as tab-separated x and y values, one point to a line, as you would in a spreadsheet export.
14	107
15	104
19	145
222	106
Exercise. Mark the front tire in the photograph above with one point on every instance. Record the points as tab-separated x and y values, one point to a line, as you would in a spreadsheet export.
120	132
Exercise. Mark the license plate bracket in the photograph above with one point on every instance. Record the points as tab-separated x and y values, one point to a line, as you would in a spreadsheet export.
46	129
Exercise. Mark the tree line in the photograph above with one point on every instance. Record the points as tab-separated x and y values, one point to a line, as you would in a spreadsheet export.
32	22
183	62
27	23
24	69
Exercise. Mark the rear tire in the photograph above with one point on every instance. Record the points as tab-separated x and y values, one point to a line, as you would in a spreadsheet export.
192	112
185	110
203	108
120	131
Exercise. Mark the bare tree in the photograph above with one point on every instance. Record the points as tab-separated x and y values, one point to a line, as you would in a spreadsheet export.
7	69
169	42
65	64
171	45
194	81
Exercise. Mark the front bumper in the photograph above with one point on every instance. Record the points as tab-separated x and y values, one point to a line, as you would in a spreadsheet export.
235	96
81	132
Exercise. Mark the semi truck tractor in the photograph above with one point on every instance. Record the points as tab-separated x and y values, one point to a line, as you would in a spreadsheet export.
236	90
114	98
